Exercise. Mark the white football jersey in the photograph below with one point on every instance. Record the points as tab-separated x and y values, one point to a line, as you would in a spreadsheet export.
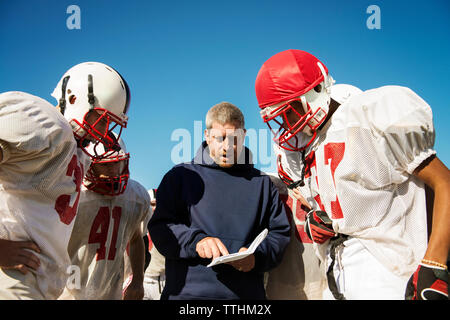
157	265
103	228
40	179
359	170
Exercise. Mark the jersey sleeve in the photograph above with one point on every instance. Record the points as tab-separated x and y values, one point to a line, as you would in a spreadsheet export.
136	193
402	123
145	216
28	127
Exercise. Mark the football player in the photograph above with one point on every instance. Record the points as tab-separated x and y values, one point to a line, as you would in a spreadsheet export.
365	162
42	161
113	212
299	275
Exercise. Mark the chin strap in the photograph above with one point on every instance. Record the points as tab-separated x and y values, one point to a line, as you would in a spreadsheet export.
300	182
284	176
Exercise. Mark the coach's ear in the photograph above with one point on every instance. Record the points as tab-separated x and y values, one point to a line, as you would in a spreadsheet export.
207	136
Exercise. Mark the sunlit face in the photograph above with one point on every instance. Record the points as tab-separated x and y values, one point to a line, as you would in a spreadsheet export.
225	143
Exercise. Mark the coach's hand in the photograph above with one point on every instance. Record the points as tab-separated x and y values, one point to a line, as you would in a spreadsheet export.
318	226
18	255
428	283
211	248
244	265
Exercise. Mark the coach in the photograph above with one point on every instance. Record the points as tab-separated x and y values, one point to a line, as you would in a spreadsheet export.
215	205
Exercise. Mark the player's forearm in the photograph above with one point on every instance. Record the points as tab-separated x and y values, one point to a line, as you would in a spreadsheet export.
437	176
439	243
137	249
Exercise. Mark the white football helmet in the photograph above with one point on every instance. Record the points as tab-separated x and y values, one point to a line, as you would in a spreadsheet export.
110	181
94	86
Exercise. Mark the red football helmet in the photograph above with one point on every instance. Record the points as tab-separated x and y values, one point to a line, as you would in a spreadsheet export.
288	76
109	176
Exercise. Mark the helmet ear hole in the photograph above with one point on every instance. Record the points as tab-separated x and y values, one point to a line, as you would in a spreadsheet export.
72	99
318	88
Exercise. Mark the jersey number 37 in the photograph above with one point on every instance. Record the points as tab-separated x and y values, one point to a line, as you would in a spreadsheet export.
66	205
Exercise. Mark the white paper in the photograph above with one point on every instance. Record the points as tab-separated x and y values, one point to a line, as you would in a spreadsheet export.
241	255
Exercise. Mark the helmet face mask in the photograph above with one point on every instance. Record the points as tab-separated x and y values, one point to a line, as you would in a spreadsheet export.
287	129
109	175
99	130
92	89
108	184
302	115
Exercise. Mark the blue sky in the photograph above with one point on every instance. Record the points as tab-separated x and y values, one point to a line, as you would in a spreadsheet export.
182	57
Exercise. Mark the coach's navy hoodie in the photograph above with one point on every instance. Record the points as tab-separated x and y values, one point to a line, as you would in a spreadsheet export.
200	199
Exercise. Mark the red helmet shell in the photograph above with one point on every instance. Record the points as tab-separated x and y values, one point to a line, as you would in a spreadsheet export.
287	75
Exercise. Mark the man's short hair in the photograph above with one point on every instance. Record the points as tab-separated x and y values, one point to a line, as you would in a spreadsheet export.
225	112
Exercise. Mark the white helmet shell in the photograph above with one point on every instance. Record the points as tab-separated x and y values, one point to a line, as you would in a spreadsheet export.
93	86
109	88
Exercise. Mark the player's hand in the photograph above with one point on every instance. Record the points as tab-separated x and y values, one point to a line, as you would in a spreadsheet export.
428	283
17	255
134	291
299	197
211	248
244	265
318	226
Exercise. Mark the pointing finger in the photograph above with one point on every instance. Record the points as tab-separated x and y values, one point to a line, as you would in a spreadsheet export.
223	250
